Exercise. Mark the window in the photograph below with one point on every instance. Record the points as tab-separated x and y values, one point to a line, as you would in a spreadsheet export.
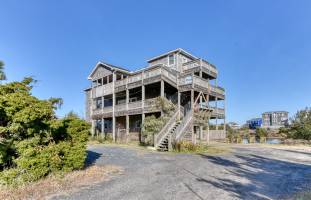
100	82
94	83
110	78
98	102
107	101
171	59
119	77
98	126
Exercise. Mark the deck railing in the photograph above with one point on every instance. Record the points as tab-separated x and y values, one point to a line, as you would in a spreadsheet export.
134	105
164	131
178	133
218	110
199	63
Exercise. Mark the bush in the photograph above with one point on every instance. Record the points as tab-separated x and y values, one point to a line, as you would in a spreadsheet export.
186	146
261	132
33	142
152	125
301	125
101	139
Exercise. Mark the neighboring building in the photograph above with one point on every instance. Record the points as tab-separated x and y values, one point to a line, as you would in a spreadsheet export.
119	99
234	125
254	123
275	119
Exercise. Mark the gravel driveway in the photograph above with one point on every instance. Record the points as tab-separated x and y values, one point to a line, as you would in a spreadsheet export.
248	172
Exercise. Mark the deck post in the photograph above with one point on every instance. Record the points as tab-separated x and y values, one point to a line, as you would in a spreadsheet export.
102	128
127	121
113	106
201	132
162	88
178	104
192	109
162	93
207	135
93	128
225	128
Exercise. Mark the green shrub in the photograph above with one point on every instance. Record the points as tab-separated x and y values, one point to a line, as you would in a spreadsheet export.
300	127
34	143
151	126
261	132
186	146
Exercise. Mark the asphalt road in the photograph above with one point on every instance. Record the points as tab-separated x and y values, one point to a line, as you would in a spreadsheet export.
248	172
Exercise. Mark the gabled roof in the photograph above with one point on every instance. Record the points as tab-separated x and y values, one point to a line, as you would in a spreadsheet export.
180	50
109	67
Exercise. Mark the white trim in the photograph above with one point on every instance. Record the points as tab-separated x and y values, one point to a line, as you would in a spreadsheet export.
173	51
108	66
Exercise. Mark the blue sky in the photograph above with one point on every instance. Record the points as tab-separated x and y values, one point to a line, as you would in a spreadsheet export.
262	48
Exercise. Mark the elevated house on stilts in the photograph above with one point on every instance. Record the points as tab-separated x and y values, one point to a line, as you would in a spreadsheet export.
119	100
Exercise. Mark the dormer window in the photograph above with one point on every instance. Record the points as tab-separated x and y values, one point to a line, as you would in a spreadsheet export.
171	59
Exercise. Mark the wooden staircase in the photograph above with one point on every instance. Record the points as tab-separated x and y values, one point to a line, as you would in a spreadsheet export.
173	131
164	144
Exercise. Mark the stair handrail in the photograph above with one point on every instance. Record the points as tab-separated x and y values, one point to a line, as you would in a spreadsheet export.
182	126
165	130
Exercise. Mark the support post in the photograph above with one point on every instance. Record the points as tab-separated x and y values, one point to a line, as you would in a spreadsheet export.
207	135
93	128
195	135
127	127
201	132
162	88
192	110
142	97
216	113
102	128
113	106
201	63
216	102
178	103
201	106
162	93
225	128
192	99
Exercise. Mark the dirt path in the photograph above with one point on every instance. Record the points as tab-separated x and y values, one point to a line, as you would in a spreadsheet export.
248	172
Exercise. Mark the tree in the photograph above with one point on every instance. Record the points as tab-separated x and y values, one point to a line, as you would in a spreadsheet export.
261	132
2	74
300	125
33	142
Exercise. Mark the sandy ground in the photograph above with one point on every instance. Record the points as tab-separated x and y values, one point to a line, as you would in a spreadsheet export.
246	172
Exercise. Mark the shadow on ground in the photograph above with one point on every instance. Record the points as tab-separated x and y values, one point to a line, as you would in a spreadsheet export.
263	176
91	157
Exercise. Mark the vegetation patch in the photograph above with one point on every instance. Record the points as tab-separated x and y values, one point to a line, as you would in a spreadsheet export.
59	185
100	139
152	125
300	127
33	142
189	147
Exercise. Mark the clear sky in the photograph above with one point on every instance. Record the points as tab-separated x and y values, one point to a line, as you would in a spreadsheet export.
262	48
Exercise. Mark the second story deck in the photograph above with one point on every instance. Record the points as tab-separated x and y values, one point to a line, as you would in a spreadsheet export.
183	81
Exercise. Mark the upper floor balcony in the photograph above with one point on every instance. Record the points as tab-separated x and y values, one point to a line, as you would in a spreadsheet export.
200	64
200	84
147	76
155	74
